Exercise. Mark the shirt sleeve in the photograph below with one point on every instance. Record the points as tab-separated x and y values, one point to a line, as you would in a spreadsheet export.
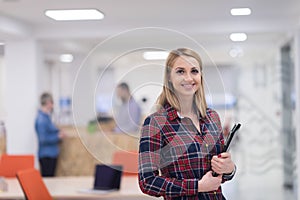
150	181
227	177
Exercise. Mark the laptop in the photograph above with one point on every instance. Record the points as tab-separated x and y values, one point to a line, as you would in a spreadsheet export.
107	179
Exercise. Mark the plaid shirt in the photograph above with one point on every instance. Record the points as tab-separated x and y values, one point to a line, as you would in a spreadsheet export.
174	155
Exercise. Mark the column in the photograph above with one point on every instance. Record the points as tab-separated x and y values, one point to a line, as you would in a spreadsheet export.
288	130
25	80
297	99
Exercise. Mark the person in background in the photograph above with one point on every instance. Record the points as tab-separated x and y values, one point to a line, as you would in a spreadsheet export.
181	143
49	136
128	115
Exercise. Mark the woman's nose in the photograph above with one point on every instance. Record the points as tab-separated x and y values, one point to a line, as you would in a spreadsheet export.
188	77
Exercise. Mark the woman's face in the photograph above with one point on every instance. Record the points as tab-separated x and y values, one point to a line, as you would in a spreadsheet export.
185	76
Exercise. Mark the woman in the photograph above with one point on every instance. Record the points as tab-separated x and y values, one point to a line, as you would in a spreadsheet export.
181	143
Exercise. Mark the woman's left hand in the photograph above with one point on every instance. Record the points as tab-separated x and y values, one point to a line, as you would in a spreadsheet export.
222	164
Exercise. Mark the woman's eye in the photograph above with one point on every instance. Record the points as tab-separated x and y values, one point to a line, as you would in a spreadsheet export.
195	71
180	71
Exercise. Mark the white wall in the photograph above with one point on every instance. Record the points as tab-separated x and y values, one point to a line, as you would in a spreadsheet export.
26	77
83	93
2	87
21	95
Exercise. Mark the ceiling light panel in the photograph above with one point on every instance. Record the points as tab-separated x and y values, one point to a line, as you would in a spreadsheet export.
66	58
240	11
238	37
78	14
155	55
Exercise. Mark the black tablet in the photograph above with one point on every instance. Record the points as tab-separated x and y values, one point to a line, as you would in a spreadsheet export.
234	129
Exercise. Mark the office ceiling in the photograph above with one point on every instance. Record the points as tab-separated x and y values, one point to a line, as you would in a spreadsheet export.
208	22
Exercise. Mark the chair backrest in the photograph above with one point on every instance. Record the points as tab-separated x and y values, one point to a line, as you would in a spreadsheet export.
10	164
33	185
129	161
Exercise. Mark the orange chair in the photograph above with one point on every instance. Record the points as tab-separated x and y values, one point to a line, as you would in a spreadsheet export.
129	161
10	164
33	185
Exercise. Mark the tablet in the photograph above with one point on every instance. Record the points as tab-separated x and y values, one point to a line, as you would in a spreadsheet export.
235	128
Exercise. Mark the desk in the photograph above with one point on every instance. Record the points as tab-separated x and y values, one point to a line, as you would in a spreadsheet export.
67	188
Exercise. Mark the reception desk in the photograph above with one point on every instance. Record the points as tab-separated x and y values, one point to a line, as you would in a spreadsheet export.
84	147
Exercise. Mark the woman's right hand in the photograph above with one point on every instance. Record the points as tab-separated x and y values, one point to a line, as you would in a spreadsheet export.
209	183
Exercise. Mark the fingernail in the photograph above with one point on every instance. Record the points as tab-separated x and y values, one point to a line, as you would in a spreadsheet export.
219	156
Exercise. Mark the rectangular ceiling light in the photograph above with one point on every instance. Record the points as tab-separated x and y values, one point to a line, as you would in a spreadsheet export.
240	11
78	14
66	58
155	55
238	37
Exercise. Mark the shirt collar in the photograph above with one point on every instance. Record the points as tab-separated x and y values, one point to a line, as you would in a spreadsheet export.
171	112
178	114
43	113
181	117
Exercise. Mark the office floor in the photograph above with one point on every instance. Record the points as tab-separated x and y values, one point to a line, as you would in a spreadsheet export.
257	179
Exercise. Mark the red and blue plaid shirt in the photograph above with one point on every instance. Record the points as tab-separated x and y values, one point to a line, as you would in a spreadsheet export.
174	155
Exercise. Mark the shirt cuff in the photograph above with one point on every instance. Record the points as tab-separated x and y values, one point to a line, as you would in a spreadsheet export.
230	176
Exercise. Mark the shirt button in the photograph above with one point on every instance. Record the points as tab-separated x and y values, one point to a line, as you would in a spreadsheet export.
215	192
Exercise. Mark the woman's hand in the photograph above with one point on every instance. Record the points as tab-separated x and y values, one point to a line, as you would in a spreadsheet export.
222	164
209	183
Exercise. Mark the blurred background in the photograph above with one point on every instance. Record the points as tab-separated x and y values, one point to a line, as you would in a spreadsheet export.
251	72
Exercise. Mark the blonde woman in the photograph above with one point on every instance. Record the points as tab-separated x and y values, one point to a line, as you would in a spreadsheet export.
181	143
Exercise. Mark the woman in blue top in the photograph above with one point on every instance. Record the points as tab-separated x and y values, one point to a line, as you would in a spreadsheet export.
48	136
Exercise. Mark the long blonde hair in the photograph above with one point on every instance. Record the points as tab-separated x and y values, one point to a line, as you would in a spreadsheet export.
168	95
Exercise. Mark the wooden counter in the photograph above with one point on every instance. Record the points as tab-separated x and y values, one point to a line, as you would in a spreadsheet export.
82	148
2	144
